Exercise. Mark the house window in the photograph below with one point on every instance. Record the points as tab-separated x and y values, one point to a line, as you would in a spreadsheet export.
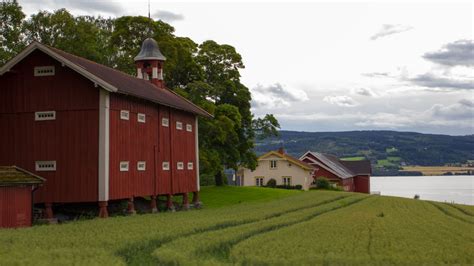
259	181
179	125
180	165
124	166
273	164
166	166
287	180
141	166
45	166
141	118
45	115
189	127
165	122
190	166
44	71
124	115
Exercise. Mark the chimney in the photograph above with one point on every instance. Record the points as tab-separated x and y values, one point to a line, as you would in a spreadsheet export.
281	150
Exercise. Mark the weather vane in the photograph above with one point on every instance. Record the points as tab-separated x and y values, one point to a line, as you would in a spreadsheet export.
149	9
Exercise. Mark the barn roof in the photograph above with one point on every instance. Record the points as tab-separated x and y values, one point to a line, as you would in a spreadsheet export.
14	175
111	79
343	169
288	158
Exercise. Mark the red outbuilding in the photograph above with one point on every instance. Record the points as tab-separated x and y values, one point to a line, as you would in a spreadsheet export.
350	175
97	134
16	196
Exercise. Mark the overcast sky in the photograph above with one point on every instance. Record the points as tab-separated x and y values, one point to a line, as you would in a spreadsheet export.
334	66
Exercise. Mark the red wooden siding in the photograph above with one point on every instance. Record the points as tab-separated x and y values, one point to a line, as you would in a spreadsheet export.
362	183
163	184
15	206
71	140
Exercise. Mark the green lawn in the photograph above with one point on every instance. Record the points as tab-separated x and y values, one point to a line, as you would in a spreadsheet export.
356	158
297	228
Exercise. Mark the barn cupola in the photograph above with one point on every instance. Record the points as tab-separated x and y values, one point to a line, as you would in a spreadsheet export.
150	62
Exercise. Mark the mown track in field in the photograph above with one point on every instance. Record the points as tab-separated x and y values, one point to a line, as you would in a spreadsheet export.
135	254
455	213
215	247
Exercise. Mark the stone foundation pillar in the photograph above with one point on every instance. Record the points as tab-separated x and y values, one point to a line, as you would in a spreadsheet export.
48	210
131	207
196	202
185	202
103	212
169	203
153	205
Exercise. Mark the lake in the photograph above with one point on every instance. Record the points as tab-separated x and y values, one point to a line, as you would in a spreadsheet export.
457	189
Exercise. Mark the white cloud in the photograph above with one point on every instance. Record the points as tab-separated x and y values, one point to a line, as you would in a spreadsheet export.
364	92
389	29
344	101
167	16
276	96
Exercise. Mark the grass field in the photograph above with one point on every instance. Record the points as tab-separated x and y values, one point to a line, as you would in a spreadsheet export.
298	228
438	170
356	158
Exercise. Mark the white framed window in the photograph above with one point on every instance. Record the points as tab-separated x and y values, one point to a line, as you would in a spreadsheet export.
287	180
179	125
166	166
189	127
141	166
45	115
124	115
44	71
124	166
190	165
273	164
141	118
45	166
165	122
259	181
180	165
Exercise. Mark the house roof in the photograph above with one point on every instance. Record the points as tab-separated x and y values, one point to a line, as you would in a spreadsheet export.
362	167
13	175
150	51
343	169
288	158
111	79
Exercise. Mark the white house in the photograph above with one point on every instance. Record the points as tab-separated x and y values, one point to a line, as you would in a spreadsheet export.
278	165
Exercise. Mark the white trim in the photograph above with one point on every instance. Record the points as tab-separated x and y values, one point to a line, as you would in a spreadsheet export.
179	125
196	137
124	166
45	166
36	45
190	166
104	135
139	73
154	74
141	166
189	127
141	118
180	166
45	115
42	71
124	114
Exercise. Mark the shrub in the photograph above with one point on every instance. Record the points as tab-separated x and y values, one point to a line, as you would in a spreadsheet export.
272	183
323	183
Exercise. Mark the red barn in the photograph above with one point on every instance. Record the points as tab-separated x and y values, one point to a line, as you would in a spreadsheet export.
350	175
16	196
97	134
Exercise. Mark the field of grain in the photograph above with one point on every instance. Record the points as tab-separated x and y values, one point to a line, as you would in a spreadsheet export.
438	170
315	227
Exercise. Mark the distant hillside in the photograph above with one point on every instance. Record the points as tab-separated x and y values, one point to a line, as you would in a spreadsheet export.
387	150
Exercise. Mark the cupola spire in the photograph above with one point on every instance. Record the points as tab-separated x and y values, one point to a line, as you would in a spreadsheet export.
149	62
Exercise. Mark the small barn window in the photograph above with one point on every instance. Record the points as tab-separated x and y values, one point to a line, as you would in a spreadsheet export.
124	166
273	164
166	166
189	127
180	165
44	71
45	115
165	122
190	166
179	125
45	166
124	115
141	166
141	118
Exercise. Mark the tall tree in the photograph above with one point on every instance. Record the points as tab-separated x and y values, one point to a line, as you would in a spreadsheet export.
11	30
